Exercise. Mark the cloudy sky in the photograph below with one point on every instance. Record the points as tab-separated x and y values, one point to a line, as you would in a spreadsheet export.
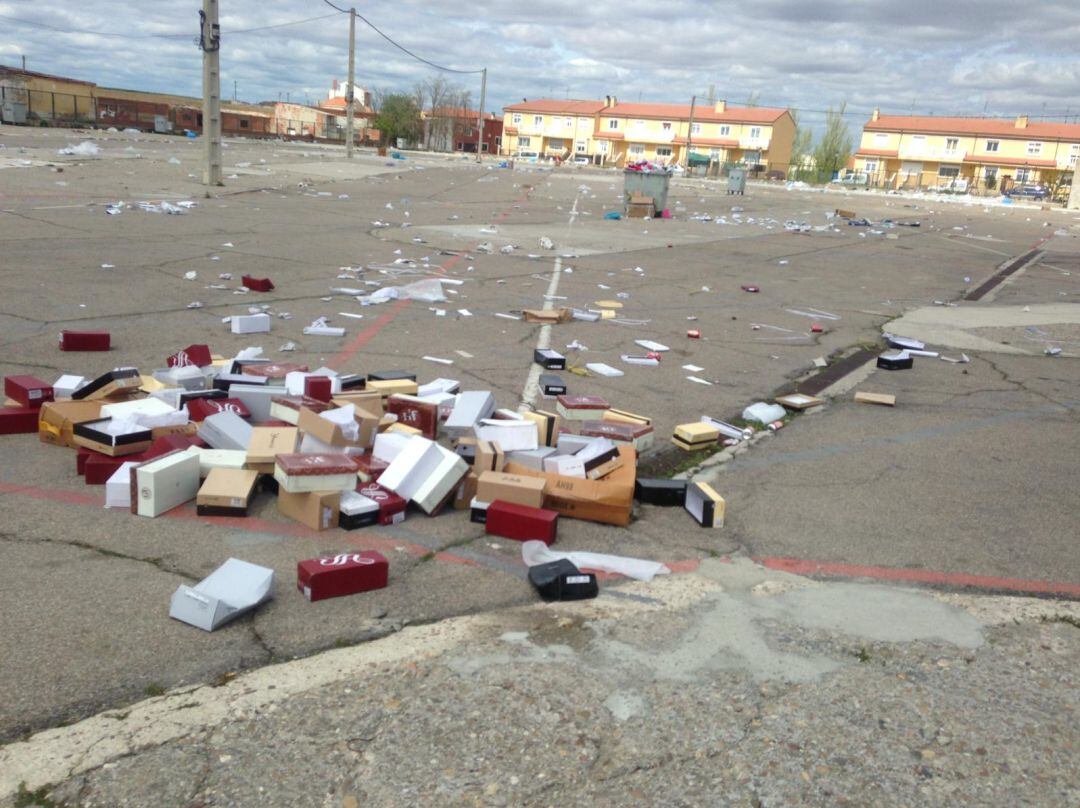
1000	57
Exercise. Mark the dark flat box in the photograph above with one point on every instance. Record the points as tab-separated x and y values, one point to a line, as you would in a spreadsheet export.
224	381
115	445
123	379
561	580
84	340
478	511
353	381
29	391
342	574
895	360
552	385
547	358
194	395
667	493
390	375
521	523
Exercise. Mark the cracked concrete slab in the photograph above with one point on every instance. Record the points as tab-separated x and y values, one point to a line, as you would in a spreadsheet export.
970	327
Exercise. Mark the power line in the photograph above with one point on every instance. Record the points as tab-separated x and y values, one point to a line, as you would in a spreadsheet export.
401	47
158	36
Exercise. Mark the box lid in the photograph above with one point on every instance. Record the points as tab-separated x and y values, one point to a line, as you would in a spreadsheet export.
583	402
301	465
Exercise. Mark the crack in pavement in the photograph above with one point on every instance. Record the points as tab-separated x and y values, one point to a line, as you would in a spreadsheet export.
158	563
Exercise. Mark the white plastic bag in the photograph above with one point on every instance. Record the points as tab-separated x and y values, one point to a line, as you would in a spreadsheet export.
764	413
536	552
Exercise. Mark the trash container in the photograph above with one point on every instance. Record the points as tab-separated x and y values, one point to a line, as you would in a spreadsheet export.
647	183
736	180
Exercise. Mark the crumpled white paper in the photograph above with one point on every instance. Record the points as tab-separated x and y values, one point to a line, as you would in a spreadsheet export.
536	552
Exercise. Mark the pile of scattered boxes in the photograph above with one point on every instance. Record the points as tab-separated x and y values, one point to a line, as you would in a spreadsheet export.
342	450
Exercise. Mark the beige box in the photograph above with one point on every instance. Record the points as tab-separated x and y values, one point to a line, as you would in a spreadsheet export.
520	489
319	510
269	441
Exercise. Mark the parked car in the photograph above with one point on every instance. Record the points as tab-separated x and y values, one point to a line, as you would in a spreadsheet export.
527	156
1029	191
582	160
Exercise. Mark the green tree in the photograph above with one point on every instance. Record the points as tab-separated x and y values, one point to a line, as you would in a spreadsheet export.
398	117
801	147
833	150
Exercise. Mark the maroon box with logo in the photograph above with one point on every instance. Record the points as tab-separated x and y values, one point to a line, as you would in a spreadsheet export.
342	574
28	391
422	415
391	506
84	340
196	355
520	522
369	467
199	409
319	387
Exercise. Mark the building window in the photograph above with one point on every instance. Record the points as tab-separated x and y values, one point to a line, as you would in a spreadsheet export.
1023	174
1074	154
663	151
948	171
613	123
871	167
881	139
602	147
524	142
636	149
244	123
666	126
714	154
515	118
555	143
639	124
538	120
755	132
1034	148
990	175
951	144
993	145
581	146
918	144
695	129
725	131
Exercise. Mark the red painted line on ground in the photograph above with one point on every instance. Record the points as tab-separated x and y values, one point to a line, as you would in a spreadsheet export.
51	494
802	566
369	333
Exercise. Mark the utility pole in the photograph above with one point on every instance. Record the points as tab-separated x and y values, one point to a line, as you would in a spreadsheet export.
24	62
480	117
234	91
210	42
690	134
350	95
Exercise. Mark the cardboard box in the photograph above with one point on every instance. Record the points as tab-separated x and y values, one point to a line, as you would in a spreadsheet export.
18	420
342	574
533	458
318	510
388	387
226	430
164	483
695	435
84	340
267	442
116	383
624	417
547	316
705	505
257	398
415	412
226	492
231	590
638	436
319	387
547	426
439	385
895	360
465	491
565	465
562	580
478	511
192	356
799	401
95	435
210	459
667	493
439	486
412	466
28	391
391	506
876	398
356	511
471	407
276	373
199	409
489	456
512	436
517	487
118	487
287	408
67	384
581	408
303	473
368	467
552	385
250	323
521	523
609	500
602	470
369	401
225	381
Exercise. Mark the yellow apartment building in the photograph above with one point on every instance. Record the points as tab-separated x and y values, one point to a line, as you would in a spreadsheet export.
611	133
963	154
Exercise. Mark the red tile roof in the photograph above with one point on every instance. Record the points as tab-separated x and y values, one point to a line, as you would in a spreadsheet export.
932	124
557	106
702	113
1012	161
877	153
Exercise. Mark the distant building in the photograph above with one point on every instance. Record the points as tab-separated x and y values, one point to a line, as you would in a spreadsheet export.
26	95
455	129
335	106
612	133
923	151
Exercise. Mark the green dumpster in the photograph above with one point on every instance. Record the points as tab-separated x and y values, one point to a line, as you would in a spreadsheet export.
648	183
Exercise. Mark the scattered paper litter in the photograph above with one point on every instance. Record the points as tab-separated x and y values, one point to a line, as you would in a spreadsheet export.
699	380
190	276
438	360
464	312
464	354
350	314
85	149
693	368
602	369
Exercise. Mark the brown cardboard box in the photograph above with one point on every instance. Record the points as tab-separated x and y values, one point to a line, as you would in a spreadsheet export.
622	416
226	492
609	500
547	316
181	429
404	429
604	469
520	489
369	401
547	426
56	419
269	441
387	387
489	457
312	424
318	510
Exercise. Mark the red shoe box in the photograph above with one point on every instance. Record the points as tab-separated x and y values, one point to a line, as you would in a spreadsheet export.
411	411
391	506
369	467
197	355
342	574
318	387
171	443
84	340
29	391
99	467
199	409
257	284
81	456
18	420
520	522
